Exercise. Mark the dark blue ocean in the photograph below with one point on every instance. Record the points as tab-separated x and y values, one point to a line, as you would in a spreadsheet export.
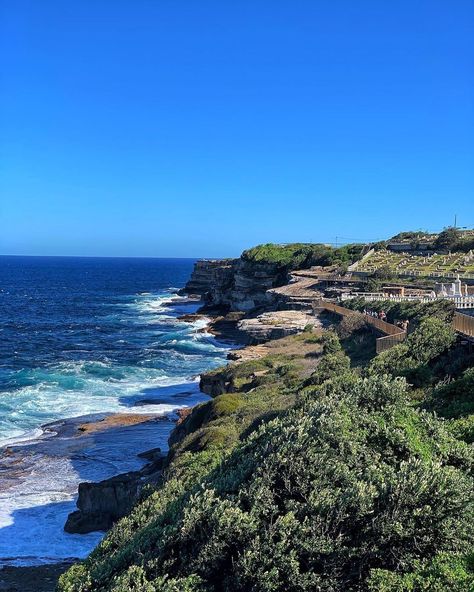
81	336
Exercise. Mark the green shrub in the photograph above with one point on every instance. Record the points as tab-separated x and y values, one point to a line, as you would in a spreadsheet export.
330	366
444	572
462	428
447	239
456	398
302	255
432	338
227	404
330	342
415	312
351	481
429	340
291	256
336	483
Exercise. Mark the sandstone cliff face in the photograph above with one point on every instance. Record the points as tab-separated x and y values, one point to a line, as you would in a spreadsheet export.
251	282
235	284
212	280
217	382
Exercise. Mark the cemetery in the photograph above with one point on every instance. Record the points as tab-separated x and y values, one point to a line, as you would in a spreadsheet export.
435	265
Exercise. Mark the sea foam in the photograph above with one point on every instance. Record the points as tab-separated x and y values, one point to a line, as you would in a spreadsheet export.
133	356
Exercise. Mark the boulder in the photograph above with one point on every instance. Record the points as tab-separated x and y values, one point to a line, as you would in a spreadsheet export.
215	383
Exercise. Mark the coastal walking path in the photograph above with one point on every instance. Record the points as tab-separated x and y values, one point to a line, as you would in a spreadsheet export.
392	333
463	325
304	290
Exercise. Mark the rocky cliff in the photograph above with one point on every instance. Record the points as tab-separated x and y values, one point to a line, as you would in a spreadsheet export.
235	284
103	503
212	279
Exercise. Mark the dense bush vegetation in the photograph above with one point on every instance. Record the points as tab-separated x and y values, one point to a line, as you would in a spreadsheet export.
302	255
450	239
350	481
300	477
413	311
410	235
454	400
411	358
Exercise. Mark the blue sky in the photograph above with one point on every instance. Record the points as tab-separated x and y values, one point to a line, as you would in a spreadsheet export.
186	128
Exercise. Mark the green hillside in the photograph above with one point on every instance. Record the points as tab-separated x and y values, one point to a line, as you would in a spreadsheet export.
314	471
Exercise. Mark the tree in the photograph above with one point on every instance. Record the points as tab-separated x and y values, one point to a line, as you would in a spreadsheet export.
447	239
384	272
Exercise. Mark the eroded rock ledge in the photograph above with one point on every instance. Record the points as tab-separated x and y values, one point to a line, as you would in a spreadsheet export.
103	503
275	325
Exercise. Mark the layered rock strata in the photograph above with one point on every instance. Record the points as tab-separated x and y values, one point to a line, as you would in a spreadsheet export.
235	284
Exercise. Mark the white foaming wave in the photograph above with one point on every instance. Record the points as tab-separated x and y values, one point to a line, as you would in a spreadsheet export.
155	305
33	517
199	343
53	397
24	438
200	323
154	302
33	513
154	409
161	319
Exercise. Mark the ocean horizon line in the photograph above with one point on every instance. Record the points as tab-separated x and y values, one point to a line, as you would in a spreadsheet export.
194	258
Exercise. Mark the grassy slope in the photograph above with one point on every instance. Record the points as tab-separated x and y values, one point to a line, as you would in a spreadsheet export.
310	476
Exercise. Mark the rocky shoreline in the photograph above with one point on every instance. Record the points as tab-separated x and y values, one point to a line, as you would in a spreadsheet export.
102	503
239	308
99	503
37	578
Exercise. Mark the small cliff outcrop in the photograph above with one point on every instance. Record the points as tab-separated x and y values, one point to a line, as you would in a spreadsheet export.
275	325
235	284
212	279
103	503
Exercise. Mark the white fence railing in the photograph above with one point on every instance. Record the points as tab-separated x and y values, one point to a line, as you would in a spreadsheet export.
458	301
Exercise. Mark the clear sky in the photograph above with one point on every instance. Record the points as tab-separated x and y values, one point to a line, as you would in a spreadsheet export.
199	127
